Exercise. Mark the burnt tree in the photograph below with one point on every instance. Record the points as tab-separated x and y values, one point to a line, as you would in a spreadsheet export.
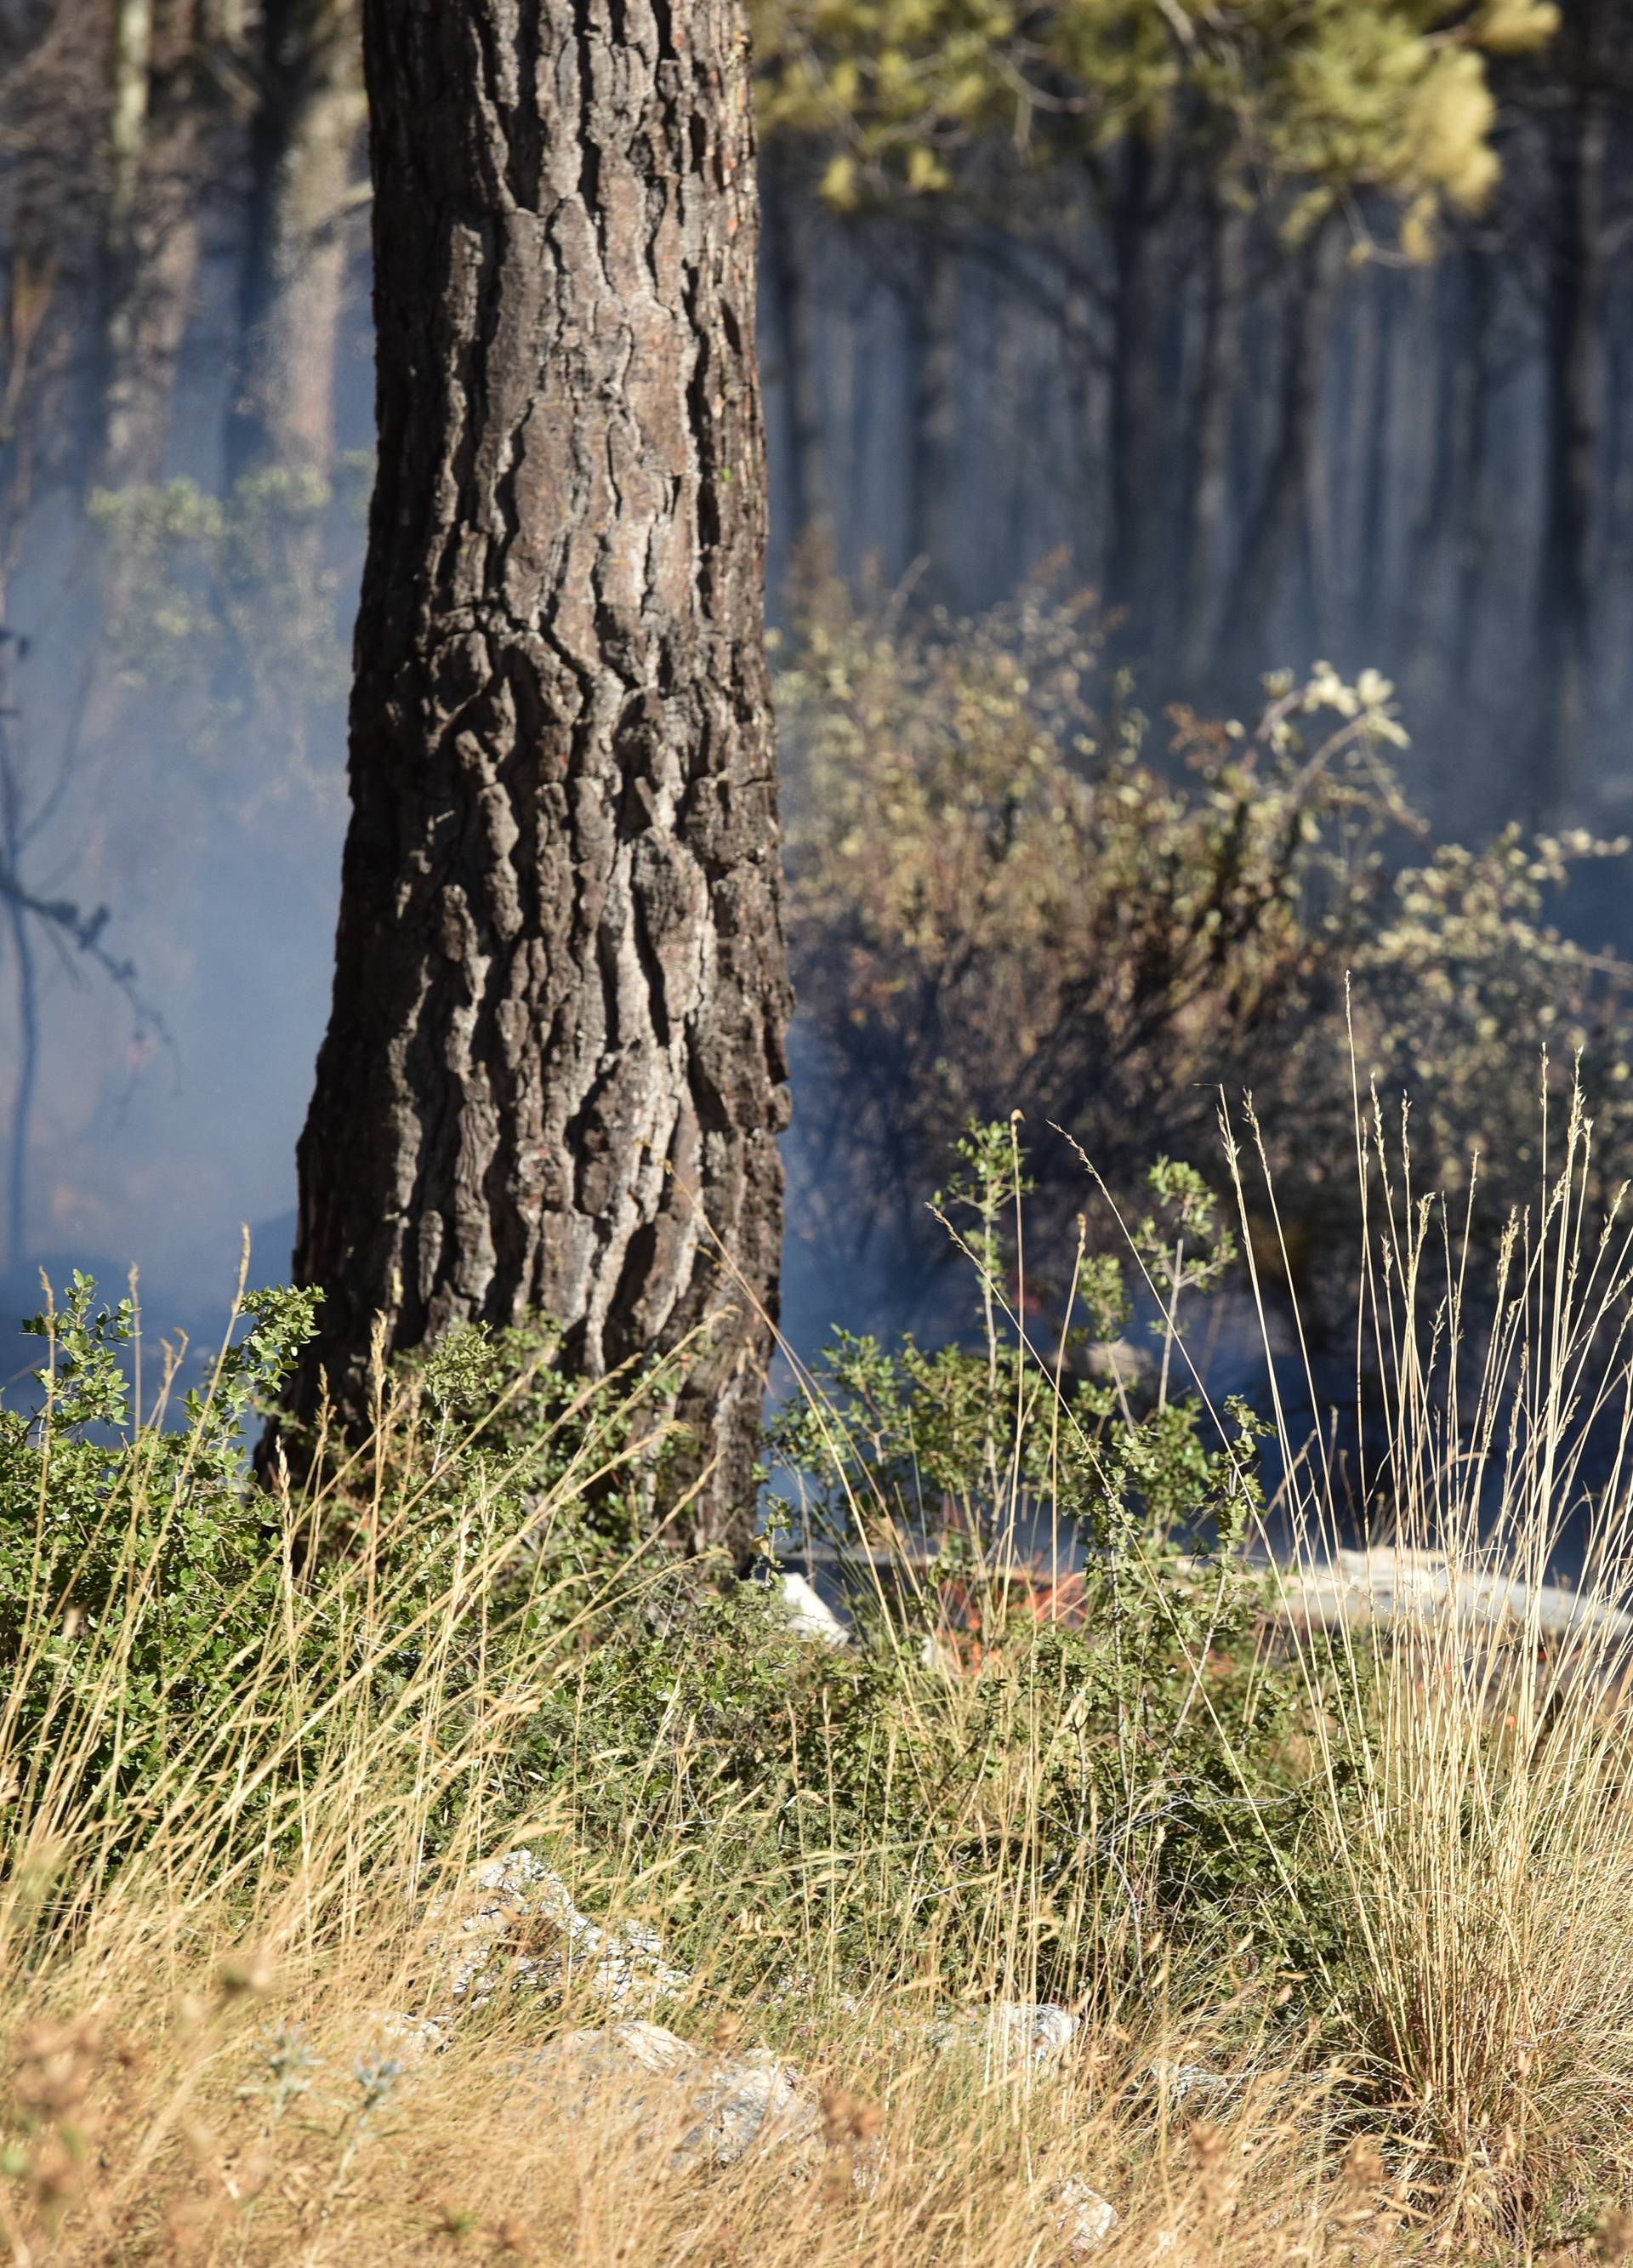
554	1073
302	144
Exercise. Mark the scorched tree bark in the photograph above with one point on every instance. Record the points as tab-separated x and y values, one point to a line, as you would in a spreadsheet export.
554	1073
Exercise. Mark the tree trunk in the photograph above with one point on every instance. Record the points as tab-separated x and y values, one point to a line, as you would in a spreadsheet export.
160	136
303	144
1081	359
1213	410
1474	517
156	136
555	1072
1140	426
1375	439
1274	530
933	331
129	60
1576	290
787	264
1425	635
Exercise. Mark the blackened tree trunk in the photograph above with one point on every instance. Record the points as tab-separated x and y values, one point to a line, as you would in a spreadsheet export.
1213	411
1273	529
303	145
1474	518
1141	416
934	342
553	1074
1425	634
1577	153
789	258
158	136
1374	441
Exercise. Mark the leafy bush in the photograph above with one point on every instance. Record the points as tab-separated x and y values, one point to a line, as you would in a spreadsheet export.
1023	1831
1080	1439
1056	1684
999	898
148	1588
132	1557
230	615
491	1538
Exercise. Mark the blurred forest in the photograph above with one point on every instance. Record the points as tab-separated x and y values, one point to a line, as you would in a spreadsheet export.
1116	353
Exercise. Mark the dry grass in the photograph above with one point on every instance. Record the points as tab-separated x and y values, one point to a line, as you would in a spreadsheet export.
157	2131
194	2064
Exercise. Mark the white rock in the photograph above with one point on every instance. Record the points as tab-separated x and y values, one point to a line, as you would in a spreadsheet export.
1389	1583
409	2041
633	2077
809	1613
663	2098
515	1927
752	2102
1080	2217
1182	2081
1120	1362
1011	2032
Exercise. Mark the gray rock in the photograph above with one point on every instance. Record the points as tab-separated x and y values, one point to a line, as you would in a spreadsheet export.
1390	1584
1079	2217
1013	2034
752	2102
672	2105
513	1926
409	2041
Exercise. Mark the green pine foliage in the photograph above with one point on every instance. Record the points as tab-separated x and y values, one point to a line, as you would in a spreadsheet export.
909	96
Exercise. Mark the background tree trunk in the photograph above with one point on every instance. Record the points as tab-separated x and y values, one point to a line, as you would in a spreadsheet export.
1274	528
1141	434
1576	290
555	1071
1375	437
133	396
303	147
934	535
1212	415
161	236
1474	509
791	251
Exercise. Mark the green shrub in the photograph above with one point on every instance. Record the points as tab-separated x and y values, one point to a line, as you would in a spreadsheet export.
1025	1830
1109	1741
170	1620
1000	896
1026	1766
134	1561
1021	1775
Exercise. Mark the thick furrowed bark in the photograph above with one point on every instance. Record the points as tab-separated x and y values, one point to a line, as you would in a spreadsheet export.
555	1073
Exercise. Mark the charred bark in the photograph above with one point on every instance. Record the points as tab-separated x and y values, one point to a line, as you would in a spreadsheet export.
1574	350
555	1073
303	145
1213	411
1273	529
158	129
934	344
